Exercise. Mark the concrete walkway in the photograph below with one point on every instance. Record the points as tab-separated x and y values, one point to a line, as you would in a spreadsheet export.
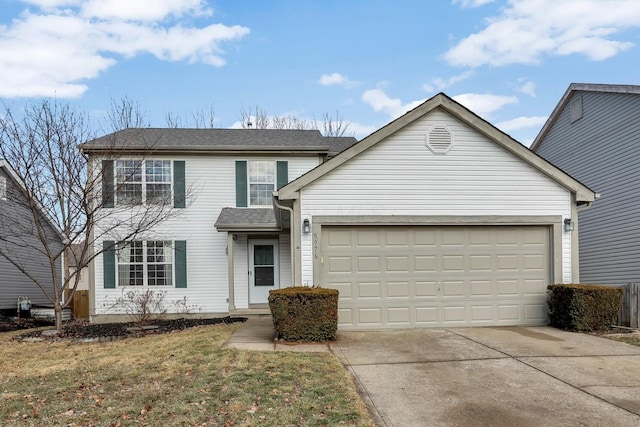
257	334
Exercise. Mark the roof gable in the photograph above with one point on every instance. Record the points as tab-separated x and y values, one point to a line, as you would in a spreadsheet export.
441	101
13	176
566	98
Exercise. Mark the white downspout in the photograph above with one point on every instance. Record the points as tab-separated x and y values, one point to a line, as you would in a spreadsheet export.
291	240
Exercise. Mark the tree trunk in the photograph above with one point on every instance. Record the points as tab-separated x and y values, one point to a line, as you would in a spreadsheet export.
58	311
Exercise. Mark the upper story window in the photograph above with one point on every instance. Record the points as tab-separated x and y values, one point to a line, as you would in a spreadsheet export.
3	188
143	182
262	182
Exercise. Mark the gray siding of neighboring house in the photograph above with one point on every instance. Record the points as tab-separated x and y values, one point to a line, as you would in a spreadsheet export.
602	150
15	218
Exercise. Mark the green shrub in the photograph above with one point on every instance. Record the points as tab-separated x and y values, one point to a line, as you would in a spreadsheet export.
304	314
583	308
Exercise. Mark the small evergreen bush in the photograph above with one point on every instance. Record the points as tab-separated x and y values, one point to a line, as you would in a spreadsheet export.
304	314
583	308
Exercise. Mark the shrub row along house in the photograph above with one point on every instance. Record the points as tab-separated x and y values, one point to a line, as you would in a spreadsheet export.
436	219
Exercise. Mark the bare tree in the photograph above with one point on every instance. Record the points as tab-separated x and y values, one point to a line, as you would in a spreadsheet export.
63	197
334	126
256	119
329	126
200	119
126	113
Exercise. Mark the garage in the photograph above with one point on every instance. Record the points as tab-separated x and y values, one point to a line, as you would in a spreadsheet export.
437	219
420	276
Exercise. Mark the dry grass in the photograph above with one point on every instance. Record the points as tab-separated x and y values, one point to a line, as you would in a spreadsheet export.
633	339
181	378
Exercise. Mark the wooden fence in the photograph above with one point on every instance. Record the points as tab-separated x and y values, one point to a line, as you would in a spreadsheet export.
80	305
629	314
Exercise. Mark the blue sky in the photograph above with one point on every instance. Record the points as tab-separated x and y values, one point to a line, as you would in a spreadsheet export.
371	60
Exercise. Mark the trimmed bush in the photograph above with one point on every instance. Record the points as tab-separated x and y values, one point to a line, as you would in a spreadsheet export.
304	314
583	308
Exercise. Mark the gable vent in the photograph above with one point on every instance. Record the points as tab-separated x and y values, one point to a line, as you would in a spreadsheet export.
439	139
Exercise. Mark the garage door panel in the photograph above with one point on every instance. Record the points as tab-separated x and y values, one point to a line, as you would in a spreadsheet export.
455	313
398	290
369	290
399	315
398	238
426	290
454	263
368	238
425	263
535	312
401	276
481	288
508	312
482	313
337	264
368	264
453	289
398	263
507	287
370	316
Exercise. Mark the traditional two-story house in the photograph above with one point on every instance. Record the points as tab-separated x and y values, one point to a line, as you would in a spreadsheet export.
215	180
438	218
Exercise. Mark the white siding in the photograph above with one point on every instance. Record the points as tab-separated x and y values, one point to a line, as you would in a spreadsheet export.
241	272
211	180
401	176
285	261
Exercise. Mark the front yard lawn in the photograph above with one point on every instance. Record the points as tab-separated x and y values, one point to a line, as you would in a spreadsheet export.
633	339
180	378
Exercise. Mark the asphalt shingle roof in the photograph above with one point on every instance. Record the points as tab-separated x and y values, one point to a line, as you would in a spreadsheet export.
233	218
173	139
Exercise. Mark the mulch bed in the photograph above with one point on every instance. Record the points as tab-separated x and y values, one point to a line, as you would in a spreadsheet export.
84	331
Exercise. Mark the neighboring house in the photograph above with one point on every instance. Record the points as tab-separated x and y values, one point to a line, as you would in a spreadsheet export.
594	134
18	239
436	219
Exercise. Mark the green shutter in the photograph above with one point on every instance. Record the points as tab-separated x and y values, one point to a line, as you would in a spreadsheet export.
241	184
180	251
107	184
178	184
109	264
282	173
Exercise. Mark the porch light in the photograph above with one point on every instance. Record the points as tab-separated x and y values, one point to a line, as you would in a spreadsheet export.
306	227
568	225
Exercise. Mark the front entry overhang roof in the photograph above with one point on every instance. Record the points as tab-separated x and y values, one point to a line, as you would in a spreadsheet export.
246	220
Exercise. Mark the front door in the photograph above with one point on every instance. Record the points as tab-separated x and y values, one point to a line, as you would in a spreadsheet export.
263	270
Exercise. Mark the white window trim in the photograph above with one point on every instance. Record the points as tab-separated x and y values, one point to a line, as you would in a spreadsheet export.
145	264
143	181
274	183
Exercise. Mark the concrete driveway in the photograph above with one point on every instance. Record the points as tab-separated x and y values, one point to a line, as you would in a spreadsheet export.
512	376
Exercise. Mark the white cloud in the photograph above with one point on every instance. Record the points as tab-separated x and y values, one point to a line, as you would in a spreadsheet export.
472	3
528	88
521	123
527	30
336	79
484	104
442	83
56	49
393	107
141	10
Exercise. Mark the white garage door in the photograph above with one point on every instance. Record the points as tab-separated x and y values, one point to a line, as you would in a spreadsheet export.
398	277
